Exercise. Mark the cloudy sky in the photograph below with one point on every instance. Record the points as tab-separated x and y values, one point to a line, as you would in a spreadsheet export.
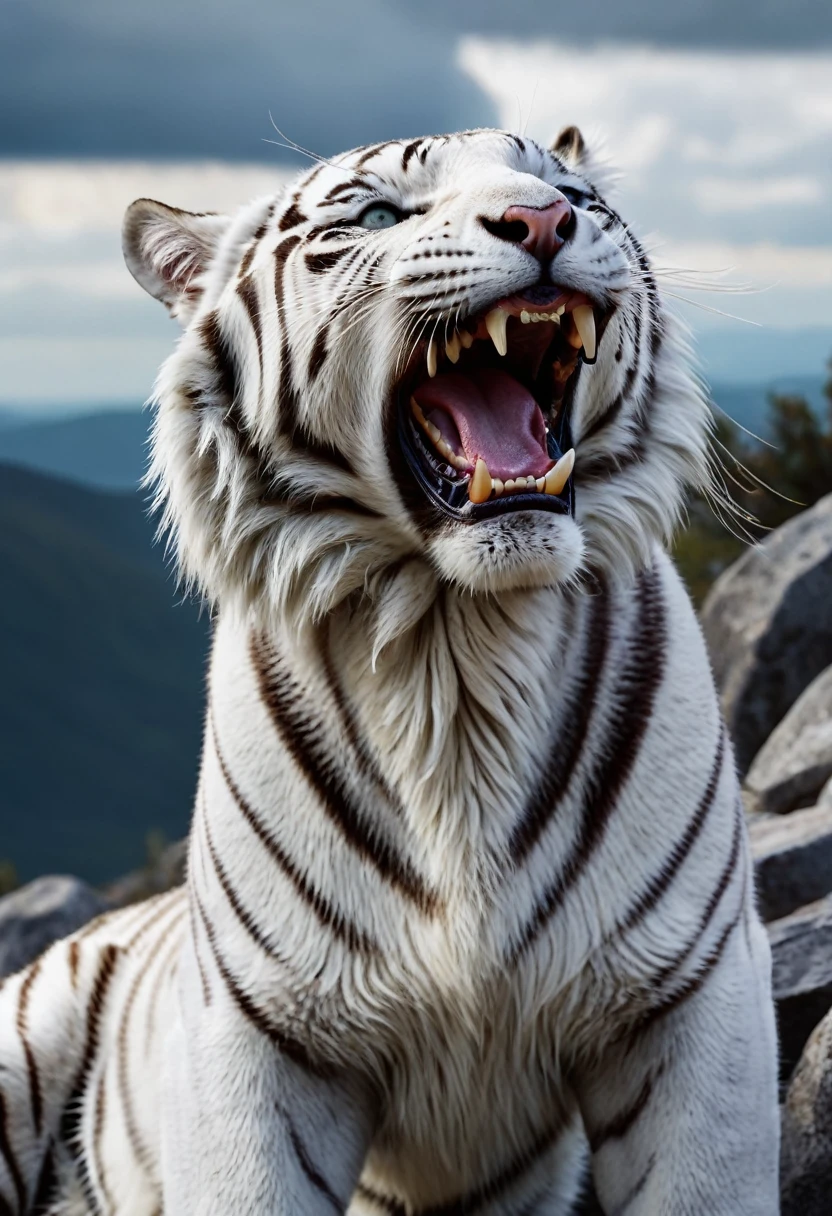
718	115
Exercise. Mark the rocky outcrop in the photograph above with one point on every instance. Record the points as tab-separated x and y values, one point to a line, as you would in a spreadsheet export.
795	762
41	912
166	872
801	950
792	859
768	624
806	1154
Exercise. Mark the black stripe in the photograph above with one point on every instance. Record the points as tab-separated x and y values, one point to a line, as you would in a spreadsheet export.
660	884
288	1046
635	1190
302	736
222	357
313	1174
410	151
318	354
323	260
287	398
572	730
696	982
46	1188
71	1118
7	1153
356	183
386	1202
243	915
35	1092
328	915
634	696
292	216
247	291
625	1120
364	758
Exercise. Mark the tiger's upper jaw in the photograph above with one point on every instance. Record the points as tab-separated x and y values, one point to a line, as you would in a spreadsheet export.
482	410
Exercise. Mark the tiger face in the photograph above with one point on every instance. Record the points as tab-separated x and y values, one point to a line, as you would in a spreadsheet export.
450	349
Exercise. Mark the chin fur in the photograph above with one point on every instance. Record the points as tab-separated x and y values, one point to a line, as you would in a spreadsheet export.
529	549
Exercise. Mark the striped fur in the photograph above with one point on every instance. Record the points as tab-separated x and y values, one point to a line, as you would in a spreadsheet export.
469	896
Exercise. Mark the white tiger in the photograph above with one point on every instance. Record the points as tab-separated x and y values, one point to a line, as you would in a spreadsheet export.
469	894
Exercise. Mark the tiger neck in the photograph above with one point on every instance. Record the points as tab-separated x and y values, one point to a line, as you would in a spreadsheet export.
458	711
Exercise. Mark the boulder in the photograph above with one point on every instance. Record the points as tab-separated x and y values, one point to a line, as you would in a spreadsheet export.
167	871
792	859
41	912
768	625
801	948
795	762
806	1151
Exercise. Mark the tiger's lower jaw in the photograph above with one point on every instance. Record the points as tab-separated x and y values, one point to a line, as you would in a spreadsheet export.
522	550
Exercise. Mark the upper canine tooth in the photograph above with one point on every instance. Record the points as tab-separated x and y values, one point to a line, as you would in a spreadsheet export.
584	319
558	476
479	487
431	358
466	338
452	347
496	323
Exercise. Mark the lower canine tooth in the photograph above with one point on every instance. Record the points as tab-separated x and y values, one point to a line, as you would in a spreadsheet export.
584	319
452	348
496	323
431	358
557	477
479	487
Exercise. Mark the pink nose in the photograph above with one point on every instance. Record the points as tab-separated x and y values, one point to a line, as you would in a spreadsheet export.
547	227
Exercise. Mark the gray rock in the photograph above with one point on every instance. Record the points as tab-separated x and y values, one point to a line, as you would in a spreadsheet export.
806	1153
795	762
166	872
801	948
792	859
41	912
768	624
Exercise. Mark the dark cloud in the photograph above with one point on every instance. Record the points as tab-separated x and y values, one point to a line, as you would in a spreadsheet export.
197	78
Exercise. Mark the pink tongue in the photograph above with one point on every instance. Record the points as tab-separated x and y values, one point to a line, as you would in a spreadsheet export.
496	417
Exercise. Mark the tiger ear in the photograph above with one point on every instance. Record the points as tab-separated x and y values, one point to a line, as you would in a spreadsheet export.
167	252
570	146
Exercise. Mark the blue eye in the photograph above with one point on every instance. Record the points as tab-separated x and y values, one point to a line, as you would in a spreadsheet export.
577	197
380	215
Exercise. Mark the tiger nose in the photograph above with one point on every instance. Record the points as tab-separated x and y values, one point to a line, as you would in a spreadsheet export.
541	230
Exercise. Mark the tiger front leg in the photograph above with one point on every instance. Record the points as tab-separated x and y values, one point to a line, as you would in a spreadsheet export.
249	1128
682	1115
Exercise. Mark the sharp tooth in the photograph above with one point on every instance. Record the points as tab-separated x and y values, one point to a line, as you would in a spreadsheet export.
496	323
561	310
497	486
466	339
431	358
452	348
584	319
524	317
479	487
538	485
558	476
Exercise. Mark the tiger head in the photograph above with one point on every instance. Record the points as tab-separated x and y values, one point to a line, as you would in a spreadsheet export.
448	354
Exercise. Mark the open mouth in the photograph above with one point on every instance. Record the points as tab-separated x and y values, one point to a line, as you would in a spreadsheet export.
483	414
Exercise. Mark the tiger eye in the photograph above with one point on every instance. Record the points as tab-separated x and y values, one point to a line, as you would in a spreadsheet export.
380	215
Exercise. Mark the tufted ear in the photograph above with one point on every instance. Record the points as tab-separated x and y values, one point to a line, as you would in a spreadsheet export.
569	145
167	252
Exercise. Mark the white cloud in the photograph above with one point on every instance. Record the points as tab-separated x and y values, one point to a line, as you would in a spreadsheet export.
722	194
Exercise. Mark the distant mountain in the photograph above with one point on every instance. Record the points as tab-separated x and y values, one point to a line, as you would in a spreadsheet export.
101	696
106	449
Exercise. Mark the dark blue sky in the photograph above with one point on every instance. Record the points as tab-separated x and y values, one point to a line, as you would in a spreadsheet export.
197	78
